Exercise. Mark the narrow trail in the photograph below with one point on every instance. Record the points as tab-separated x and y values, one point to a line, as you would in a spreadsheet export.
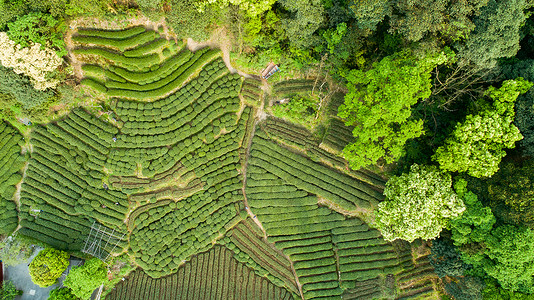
16	196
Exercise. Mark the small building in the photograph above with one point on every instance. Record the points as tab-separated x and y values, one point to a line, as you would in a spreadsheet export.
269	70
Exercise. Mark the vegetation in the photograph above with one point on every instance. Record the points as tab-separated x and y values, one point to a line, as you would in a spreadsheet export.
83	280
389	157
9	291
47	266
418	204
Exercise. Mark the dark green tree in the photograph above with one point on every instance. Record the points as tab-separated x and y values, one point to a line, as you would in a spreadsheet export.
305	17
477	221
496	34
511	192
447	18
445	259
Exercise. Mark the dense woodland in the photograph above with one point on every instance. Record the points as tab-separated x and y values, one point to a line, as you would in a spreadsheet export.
389	158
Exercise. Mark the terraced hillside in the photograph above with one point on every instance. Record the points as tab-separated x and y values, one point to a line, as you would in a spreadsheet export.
214	274
179	160
11	163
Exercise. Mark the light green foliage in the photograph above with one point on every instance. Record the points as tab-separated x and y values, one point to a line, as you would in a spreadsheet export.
38	27
474	225
510	257
252	8
47	266
476	146
84	279
9	291
418	204
496	34
300	109
14	251
62	294
379	104
307	17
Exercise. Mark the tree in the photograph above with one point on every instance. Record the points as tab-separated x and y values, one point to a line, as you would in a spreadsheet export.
379	102
9	291
305	18
476	146
62	294
466	288
47	266
188	22
416	18
418	204
446	260
511	191
38	28
496	33
510	257
477	221
368	13
38	63
85	279
14	251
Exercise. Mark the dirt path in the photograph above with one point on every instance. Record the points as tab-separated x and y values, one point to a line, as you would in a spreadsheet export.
16	196
221	40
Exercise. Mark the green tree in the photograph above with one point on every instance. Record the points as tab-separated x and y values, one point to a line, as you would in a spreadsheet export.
449	18
85	279
368	13
379	102
446	259
305	18
477	221
476	146
38	27
510	257
47	266
496	34
419	204
62	294
9	291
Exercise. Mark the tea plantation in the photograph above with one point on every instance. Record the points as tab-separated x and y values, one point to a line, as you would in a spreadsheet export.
214	201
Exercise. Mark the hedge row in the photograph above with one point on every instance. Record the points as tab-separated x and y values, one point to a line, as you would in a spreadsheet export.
131	63
11	163
337	187
112	34
167	85
122	44
211	275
